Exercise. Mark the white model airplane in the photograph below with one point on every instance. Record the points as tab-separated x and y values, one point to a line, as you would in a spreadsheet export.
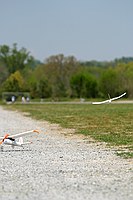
109	100
11	139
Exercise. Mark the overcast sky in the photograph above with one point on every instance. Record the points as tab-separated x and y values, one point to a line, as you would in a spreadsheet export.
87	29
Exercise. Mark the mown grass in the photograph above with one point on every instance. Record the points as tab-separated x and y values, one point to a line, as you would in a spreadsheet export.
112	123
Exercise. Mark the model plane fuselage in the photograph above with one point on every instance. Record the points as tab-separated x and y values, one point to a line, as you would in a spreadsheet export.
11	140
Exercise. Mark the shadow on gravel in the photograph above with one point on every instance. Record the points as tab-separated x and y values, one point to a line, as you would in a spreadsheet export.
17	150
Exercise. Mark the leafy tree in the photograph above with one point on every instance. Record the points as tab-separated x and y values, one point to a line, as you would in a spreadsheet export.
37	82
109	83
125	77
15	59
83	85
15	83
129	73
3	73
43	89
58	69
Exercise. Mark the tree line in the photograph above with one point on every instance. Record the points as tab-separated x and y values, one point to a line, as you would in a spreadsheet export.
63	77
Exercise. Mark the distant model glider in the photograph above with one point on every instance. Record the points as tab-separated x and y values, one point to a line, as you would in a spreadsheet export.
109	100
11	139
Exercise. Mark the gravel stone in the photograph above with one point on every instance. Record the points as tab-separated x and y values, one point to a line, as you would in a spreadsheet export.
60	165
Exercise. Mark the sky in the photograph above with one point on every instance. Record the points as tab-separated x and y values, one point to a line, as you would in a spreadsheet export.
99	30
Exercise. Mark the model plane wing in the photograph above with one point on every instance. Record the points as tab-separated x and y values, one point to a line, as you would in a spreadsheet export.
100	102
21	134
115	98
109	100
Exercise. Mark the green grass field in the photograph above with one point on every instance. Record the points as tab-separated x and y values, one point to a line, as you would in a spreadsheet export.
112	123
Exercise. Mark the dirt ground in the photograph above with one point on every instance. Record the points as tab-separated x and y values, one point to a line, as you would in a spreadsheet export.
60	165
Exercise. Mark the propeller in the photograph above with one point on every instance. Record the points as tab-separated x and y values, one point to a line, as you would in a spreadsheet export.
5	137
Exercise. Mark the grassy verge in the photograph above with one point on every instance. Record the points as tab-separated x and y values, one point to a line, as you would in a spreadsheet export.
111	123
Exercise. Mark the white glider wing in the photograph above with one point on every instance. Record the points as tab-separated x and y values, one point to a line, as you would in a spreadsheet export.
109	100
21	134
100	102
115	98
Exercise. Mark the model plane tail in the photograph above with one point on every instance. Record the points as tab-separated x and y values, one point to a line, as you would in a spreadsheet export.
21	140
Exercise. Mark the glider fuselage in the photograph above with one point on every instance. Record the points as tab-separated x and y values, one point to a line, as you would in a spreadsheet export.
12	142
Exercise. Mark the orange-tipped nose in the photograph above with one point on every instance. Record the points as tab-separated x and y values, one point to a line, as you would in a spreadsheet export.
6	136
36	131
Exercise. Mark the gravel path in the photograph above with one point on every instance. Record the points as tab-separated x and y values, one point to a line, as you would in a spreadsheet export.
60	167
